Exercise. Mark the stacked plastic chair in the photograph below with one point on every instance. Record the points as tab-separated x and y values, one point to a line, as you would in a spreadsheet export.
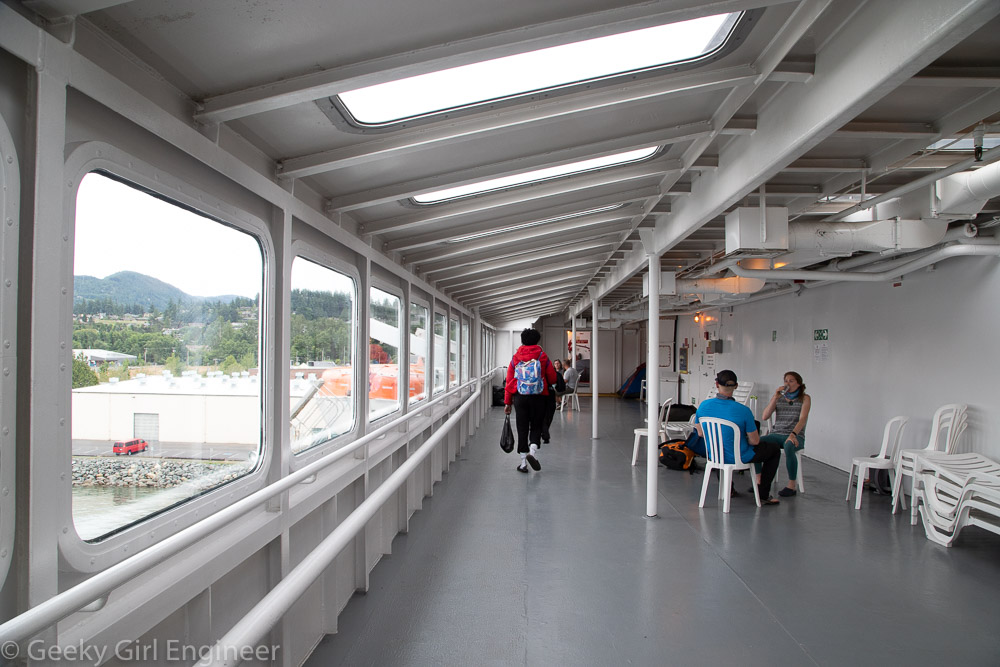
956	491
947	427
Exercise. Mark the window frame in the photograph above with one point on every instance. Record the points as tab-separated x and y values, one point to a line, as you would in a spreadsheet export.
341	117
311	253
10	190
444	385
94	556
394	290
429	342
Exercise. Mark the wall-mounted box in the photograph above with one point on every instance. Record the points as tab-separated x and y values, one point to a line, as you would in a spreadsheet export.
745	232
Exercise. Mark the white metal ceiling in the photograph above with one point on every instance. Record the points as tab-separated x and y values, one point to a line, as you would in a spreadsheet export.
817	94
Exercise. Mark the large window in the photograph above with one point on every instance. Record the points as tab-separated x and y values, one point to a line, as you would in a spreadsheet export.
383	354
323	306
418	352
452	352
440	351
466	350
166	400
541	70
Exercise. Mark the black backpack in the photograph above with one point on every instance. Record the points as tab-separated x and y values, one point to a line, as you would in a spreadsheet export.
675	456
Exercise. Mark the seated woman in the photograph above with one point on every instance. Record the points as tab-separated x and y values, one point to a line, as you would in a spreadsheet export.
790	404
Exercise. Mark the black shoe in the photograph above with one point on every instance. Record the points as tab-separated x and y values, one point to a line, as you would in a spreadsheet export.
786	492
522	468
533	462
545	441
733	493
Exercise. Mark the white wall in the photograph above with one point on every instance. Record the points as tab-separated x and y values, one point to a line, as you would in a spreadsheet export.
892	351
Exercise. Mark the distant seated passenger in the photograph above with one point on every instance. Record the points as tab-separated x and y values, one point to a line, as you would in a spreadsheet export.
571	377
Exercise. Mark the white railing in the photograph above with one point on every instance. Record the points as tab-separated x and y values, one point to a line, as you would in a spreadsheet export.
83	594
273	606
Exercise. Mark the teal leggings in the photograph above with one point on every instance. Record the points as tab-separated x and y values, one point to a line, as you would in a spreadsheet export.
791	462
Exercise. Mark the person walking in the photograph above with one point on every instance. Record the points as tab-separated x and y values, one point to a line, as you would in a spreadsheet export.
529	376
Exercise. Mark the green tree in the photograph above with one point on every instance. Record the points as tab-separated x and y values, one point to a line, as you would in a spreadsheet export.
174	364
82	375
230	365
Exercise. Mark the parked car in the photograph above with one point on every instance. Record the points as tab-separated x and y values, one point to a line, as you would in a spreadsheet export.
133	446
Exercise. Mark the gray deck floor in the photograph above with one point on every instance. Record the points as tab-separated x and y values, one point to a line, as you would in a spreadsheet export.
561	567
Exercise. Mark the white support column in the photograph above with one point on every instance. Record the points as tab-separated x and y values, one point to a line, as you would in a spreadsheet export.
652	371
44	476
593	360
572	356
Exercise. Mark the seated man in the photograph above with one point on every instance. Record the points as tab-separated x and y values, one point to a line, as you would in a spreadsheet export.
571	377
752	450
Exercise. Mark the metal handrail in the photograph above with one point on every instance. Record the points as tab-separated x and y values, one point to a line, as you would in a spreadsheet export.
272	607
60	606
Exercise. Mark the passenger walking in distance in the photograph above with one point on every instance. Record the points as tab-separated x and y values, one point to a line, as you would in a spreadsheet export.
529	376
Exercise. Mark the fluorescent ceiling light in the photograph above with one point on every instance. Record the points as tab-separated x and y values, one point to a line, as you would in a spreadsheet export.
543	69
470	237
534	176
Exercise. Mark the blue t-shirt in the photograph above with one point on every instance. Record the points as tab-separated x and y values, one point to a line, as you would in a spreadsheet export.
739	414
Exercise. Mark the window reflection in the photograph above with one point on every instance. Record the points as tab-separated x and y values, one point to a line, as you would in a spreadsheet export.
383	354
418	352
322	354
440	351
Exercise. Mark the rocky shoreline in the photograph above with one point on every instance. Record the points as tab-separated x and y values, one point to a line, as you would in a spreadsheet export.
152	473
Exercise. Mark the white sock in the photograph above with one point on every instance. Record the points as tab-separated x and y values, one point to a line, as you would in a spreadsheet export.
524	457
533	450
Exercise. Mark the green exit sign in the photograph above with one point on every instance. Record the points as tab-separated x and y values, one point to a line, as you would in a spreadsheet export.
821	334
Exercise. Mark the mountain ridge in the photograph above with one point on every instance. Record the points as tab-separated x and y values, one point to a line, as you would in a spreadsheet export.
133	288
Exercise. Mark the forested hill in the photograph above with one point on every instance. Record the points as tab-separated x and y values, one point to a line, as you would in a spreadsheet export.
128	288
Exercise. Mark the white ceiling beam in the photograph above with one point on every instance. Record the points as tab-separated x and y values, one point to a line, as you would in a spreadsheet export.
444	133
55	10
326	83
957	77
533	291
556	158
451	214
526	195
489	292
578	260
540	257
575	270
436	243
538	307
565	230
514	251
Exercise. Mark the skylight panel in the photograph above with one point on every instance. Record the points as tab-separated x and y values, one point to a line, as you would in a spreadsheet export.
591	59
534	176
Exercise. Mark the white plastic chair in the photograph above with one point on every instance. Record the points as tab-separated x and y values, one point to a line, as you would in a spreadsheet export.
949	420
886	459
642	391
641	433
573	399
712	428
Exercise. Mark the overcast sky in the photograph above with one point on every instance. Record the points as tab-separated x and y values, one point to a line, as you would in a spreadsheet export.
119	228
